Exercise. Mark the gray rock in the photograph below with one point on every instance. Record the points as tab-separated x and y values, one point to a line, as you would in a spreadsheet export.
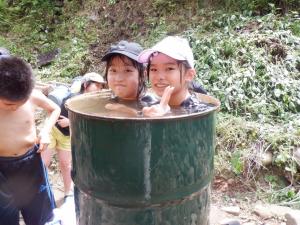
216	215
234	210
297	155
293	217
266	158
269	211
229	222
48	57
262	211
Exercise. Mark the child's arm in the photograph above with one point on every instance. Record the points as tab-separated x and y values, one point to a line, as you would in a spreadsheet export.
53	110
162	108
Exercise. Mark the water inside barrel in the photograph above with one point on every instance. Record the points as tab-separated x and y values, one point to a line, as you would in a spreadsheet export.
93	104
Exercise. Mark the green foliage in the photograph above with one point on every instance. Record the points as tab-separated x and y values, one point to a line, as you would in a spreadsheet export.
159	30
69	64
35	12
258	6
278	193
112	2
45	31
252	73
239	139
166	5
257	80
6	15
250	63
237	163
295	28
30	23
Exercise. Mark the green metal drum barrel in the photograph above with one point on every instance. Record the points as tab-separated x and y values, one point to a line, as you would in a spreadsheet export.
141	171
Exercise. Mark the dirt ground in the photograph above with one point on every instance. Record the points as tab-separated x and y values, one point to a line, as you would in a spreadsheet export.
232	193
225	193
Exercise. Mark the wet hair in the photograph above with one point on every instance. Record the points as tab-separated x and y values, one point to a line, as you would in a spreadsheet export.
16	79
82	88
139	66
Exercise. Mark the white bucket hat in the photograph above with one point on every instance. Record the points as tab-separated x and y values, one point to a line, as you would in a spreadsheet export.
92	76
95	77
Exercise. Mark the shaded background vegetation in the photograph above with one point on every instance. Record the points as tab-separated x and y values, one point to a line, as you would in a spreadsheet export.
247	54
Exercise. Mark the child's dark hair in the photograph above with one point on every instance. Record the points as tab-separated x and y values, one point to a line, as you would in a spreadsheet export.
84	85
16	79
139	66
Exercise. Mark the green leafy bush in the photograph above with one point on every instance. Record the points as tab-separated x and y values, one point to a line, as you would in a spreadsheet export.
241	143
252	73
166	5
258	6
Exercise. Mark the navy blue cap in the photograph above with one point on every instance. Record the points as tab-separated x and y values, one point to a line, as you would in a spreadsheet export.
129	49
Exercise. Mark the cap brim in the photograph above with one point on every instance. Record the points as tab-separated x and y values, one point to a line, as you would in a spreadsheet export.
93	80
98	81
145	55
128	54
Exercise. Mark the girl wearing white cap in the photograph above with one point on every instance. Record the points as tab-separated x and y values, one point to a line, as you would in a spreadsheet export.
170	71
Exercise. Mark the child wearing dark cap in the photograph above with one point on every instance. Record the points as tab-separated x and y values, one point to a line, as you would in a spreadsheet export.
125	76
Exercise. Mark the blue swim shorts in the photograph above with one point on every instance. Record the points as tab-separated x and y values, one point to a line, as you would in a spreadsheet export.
24	187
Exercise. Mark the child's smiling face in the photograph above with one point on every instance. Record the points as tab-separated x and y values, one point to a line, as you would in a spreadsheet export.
123	78
164	72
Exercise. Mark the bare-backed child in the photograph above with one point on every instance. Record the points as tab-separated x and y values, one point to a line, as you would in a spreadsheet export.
171	71
125	77
24	183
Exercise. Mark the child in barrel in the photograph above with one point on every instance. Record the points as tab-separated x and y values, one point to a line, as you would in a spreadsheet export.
126	78
171	71
24	184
